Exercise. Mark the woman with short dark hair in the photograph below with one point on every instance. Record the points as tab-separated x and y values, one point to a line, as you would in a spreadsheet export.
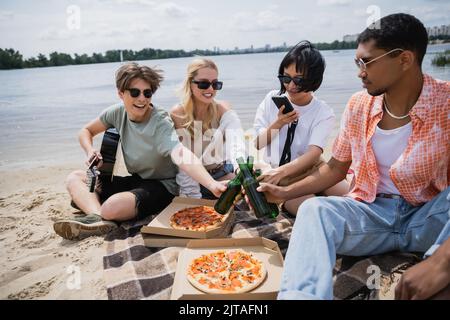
295	140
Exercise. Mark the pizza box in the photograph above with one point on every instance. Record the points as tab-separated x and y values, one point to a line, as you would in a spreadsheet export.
264	249
159	241
160	225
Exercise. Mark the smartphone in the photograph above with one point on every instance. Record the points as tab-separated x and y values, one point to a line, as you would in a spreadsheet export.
283	100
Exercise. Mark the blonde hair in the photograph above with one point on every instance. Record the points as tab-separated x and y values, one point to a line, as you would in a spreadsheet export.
212	114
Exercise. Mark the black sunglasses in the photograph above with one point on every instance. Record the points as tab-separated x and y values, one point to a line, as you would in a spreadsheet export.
216	85
134	92
286	80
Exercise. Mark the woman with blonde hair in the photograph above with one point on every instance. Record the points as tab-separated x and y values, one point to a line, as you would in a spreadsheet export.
208	127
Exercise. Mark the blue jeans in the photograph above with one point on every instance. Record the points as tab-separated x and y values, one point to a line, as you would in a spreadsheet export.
326	226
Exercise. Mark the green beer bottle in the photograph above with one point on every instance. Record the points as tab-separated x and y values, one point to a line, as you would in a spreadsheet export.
226	199
257	199
273	206
250	160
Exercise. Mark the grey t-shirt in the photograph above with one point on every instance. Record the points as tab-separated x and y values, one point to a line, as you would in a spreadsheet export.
146	146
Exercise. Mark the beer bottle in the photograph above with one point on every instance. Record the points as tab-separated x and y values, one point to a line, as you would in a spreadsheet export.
227	198
273	206
250	160
257	199
274	210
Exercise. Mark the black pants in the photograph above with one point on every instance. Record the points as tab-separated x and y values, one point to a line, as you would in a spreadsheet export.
151	195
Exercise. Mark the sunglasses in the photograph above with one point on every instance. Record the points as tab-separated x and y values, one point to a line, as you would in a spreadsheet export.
363	65
134	92
287	79
216	85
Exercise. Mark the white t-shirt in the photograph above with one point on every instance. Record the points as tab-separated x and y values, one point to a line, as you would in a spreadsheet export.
388	145
315	124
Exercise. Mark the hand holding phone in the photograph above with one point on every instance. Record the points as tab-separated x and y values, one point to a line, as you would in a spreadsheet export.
283	101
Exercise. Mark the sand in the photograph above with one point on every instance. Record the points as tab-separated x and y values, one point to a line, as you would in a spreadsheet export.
35	262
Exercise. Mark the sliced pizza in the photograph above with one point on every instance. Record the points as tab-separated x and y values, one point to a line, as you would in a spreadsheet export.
226	271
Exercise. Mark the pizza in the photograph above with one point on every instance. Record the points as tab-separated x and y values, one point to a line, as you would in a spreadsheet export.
201	218
226	271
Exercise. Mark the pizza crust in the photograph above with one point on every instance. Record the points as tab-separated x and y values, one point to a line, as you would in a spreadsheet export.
202	281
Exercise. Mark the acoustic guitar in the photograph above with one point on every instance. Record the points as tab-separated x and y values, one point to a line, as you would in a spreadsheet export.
108	151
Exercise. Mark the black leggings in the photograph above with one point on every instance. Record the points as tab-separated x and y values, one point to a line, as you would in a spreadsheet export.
151	195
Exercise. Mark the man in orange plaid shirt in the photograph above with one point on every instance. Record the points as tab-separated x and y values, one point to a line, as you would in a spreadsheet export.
396	137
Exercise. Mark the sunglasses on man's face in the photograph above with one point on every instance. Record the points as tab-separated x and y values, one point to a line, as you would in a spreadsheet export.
362	65
287	79
203	85
134	92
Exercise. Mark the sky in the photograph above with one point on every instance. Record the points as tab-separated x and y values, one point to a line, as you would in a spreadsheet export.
87	26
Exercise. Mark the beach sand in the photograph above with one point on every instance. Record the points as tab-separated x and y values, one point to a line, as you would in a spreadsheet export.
35	262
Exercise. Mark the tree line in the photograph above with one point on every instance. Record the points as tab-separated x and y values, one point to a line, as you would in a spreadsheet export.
12	59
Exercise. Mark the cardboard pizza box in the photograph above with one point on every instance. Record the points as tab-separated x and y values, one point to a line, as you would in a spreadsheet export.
160	241
264	249
160	225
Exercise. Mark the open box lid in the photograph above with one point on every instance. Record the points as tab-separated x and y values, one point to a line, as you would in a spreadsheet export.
161	223
264	249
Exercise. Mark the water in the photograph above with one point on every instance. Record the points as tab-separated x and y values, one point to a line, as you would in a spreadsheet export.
42	109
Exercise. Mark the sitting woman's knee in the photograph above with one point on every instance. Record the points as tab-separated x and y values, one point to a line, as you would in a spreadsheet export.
109	211
74	177
119	207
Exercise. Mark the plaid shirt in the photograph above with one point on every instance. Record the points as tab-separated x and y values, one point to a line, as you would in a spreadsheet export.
422	171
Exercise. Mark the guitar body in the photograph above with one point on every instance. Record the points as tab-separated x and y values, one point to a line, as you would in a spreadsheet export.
108	151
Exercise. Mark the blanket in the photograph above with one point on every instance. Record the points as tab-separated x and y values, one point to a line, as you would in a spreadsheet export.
134	271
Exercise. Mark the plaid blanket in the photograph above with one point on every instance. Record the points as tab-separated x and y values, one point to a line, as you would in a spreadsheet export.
134	271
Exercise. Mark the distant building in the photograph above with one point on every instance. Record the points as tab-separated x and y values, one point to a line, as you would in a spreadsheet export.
443	30
350	37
